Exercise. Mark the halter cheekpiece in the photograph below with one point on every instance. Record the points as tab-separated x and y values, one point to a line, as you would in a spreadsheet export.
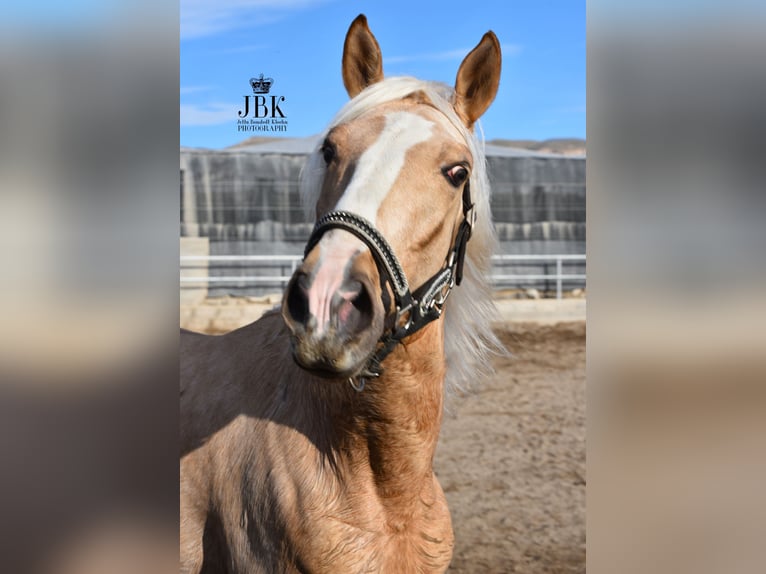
414	310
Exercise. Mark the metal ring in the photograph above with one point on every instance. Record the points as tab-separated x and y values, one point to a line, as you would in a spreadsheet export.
357	387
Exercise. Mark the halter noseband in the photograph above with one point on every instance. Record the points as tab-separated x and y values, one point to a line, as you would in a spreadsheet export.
414	310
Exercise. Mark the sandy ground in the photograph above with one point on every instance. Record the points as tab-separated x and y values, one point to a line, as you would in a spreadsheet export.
511	457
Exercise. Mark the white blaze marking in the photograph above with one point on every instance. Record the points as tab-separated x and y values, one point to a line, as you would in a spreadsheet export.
379	166
374	176
329	275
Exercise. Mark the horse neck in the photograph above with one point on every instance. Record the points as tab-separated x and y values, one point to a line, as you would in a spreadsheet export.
400	415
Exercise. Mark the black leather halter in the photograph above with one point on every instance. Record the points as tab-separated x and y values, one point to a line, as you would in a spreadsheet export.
414	310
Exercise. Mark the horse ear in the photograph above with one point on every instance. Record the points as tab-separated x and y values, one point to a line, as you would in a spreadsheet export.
362	60
477	79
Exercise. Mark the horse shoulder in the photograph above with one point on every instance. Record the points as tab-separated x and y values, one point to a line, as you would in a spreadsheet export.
229	388
223	377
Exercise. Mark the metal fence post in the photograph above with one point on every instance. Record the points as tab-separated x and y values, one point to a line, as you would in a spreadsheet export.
558	277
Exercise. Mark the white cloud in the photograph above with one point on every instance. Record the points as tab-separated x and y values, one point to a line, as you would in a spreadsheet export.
510	49
207	115
459	54
575	109
244	49
207	17
193	89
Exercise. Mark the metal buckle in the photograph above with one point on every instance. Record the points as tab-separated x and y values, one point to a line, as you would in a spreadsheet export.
446	290
471	216
400	313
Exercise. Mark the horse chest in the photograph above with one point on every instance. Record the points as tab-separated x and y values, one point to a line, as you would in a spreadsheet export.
359	535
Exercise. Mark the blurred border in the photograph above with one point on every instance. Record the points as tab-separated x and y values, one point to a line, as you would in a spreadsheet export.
89	291
676	277
89	252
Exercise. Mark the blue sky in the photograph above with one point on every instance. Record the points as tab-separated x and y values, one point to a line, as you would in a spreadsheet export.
299	44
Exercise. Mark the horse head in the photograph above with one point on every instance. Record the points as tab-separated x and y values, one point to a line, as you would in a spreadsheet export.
391	183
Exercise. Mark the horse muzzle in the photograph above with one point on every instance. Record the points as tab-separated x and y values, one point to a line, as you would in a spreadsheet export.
333	309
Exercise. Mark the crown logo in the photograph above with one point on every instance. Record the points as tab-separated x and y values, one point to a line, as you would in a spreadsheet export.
261	85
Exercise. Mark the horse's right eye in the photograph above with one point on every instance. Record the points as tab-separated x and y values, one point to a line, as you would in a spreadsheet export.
457	174
328	152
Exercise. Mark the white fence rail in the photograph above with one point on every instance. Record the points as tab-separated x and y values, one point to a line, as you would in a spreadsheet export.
500	262
276	270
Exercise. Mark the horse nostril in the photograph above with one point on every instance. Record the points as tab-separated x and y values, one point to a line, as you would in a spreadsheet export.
355	308
297	299
363	302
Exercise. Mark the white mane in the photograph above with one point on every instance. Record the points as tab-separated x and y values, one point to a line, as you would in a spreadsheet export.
469	340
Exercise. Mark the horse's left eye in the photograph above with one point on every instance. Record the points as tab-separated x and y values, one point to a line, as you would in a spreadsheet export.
457	174
328	152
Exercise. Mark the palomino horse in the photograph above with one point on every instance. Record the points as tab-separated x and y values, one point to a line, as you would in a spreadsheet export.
308	436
